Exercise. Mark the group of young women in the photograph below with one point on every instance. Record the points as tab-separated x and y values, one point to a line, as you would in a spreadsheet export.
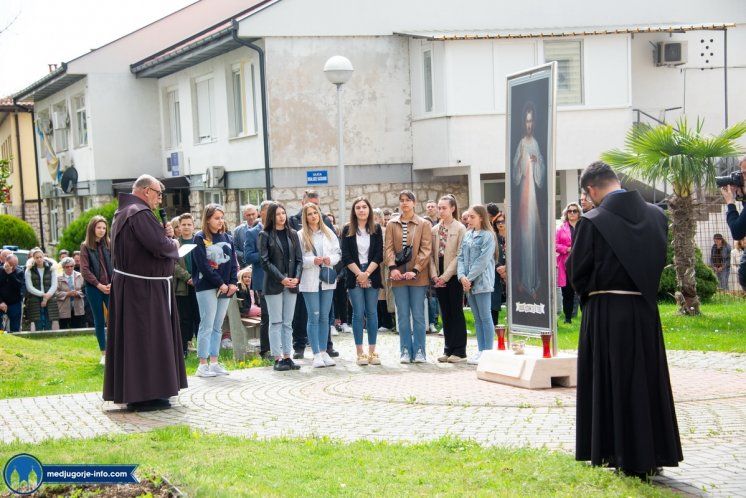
456	260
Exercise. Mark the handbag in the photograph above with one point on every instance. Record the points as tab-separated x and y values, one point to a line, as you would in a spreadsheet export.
327	274
404	256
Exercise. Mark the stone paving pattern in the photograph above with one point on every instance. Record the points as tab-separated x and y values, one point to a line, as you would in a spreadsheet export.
397	402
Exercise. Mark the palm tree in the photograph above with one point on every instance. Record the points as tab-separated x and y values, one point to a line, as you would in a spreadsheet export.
682	157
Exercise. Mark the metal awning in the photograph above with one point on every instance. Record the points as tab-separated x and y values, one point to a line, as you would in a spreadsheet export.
48	85
206	47
498	34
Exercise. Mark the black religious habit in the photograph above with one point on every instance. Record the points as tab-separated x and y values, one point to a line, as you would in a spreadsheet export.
625	409
144	356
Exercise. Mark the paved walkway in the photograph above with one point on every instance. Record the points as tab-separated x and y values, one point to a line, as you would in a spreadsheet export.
396	402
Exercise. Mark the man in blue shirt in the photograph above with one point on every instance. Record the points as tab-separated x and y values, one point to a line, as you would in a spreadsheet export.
249	213
736	222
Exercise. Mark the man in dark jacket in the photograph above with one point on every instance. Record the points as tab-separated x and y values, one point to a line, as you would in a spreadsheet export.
300	319
12	290
251	257
625	409
736	222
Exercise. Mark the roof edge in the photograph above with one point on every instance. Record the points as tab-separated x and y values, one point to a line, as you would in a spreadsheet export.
60	71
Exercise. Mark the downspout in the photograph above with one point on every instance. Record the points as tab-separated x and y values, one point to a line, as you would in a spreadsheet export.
20	166
725	72
265	117
38	187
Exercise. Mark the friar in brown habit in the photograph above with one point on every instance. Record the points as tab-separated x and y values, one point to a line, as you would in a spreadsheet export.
144	357
625	409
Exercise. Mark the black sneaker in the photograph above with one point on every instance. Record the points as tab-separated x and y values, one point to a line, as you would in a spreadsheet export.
332	352
291	364
281	366
298	355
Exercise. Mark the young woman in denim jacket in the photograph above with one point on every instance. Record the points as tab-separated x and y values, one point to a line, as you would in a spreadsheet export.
476	263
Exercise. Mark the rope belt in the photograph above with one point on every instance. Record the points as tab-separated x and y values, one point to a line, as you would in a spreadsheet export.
622	292
167	279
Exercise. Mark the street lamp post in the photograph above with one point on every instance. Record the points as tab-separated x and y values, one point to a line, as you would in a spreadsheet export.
338	71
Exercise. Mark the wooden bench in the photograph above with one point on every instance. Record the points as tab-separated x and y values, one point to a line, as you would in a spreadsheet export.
243	330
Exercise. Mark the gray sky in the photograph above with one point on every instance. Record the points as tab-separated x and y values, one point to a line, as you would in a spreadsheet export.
54	31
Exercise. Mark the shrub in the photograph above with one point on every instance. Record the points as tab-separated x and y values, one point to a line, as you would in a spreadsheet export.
707	282
16	232
74	234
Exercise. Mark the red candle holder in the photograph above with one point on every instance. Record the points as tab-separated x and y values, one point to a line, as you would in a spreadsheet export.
500	333
546	341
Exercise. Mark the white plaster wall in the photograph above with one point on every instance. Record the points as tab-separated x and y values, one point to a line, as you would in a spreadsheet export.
698	86
383	17
244	153
303	105
124	116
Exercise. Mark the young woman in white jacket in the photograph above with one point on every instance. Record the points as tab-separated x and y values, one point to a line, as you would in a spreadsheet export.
320	250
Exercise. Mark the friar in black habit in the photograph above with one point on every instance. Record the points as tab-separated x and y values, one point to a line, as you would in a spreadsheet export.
625	409
144	355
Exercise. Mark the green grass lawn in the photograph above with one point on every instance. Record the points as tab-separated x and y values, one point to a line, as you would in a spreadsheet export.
720	327
64	365
213	465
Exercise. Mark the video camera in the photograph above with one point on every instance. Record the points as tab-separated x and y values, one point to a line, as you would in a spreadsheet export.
735	179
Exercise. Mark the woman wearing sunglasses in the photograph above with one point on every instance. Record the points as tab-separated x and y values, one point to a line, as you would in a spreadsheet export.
563	245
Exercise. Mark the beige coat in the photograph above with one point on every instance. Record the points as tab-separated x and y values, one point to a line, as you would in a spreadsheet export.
456	232
420	238
63	302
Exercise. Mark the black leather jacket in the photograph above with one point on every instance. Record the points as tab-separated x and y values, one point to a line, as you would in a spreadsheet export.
278	265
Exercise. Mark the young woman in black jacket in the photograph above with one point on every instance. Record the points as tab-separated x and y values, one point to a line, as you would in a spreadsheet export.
282	259
362	254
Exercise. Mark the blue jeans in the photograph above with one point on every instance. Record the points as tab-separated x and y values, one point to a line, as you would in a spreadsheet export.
410	304
481	308
281	308
318	305
432	309
364	303
97	300
212	311
43	322
14	316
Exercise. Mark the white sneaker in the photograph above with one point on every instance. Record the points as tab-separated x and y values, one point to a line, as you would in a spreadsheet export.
226	344
404	357
420	357
328	360
218	369
346	329
102	361
203	370
382	329
333	330
318	361
474	360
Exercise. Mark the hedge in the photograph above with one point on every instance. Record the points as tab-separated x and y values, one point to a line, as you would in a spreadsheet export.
707	282
16	232
74	234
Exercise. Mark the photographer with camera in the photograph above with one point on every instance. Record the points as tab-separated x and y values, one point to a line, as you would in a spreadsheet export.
732	189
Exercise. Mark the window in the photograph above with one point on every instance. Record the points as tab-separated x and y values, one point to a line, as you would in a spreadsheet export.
252	89
81	121
60	124
54	229
238	108
569	57
253	196
205	106
213	197
427	65
173	119
6	152
86	203
69	204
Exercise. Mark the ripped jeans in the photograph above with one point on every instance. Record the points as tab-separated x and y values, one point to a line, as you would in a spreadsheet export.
318	305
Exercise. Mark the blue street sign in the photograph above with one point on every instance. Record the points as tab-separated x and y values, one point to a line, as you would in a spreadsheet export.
317	177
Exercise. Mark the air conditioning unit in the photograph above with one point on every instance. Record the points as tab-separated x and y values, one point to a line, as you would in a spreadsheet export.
60	120
215	177
175	163
670	53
